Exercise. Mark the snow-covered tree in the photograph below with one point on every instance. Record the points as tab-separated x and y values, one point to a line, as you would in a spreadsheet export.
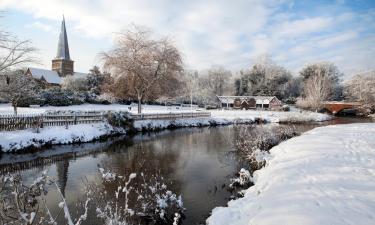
143	68
219	80
74	84
266	78
96	80
16	86
321	83
362	88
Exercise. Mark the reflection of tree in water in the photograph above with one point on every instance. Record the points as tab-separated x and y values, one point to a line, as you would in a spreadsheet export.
154	159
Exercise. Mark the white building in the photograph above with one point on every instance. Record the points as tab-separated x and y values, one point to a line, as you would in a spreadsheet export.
250	102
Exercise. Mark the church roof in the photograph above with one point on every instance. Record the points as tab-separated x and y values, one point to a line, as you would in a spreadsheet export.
51	76
63	47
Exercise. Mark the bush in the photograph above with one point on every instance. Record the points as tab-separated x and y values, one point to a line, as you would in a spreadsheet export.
59	97
120	119
286	108
30	100
290	100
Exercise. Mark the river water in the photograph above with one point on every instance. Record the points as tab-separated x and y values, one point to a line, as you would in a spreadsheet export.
196	162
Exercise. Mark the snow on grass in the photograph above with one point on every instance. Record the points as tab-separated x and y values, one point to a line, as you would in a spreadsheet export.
272	116
325	176
295	116
15	140
149	125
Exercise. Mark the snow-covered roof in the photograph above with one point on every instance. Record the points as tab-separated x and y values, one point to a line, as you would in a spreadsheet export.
49	75
258	99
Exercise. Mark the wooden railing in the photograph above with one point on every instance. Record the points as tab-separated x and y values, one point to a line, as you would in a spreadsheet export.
147	116
20	122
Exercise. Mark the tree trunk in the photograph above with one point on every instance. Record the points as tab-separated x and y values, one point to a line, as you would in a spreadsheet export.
14	104
15	109
139	105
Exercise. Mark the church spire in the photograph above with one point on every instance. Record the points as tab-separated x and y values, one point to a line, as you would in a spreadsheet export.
62	64
63	47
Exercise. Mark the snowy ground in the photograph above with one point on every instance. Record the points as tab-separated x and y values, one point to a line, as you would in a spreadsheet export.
270	116
325	176
15	140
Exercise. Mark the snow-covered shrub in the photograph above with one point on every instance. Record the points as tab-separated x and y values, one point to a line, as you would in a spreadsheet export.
121	119
286	108
244	179
290	100
26	204
253	142
19	202
135	199
92	98
26	101
74	84
107	97
60	97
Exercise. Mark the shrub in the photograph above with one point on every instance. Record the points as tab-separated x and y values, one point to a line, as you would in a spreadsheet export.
290	100
60	97
120	119
254	142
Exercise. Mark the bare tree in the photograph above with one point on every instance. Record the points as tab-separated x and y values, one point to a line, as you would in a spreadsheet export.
361	88
219	80
14	52
191	85
321	83
143	68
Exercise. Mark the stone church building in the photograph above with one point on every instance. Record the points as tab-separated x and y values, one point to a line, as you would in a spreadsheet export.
62	64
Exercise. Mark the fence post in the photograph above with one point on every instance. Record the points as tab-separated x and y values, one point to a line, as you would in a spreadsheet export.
75	118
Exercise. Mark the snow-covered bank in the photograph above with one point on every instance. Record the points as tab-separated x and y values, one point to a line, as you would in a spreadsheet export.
149	125
16	140
273	116
325	176
294	116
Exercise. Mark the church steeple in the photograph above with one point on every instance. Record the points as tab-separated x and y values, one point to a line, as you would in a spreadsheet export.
63	46
62	63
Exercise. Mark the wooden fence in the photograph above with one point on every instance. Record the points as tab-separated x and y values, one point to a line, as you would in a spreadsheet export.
20	122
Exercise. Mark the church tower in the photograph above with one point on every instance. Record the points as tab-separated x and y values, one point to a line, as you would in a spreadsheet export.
62	64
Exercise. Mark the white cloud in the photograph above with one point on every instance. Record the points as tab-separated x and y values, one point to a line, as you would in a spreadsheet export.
41	26
299	27
338	38
231	33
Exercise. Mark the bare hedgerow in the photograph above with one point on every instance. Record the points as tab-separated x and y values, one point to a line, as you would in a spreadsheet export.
26	204
135	199
254	141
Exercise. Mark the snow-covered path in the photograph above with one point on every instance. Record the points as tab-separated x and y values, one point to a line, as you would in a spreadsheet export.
325	176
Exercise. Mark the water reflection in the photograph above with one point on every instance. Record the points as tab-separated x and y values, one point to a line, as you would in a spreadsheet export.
197	162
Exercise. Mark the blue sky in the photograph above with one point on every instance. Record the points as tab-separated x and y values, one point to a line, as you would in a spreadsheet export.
229	33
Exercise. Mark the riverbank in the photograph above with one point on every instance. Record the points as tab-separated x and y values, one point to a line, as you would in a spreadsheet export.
324	176
11	141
